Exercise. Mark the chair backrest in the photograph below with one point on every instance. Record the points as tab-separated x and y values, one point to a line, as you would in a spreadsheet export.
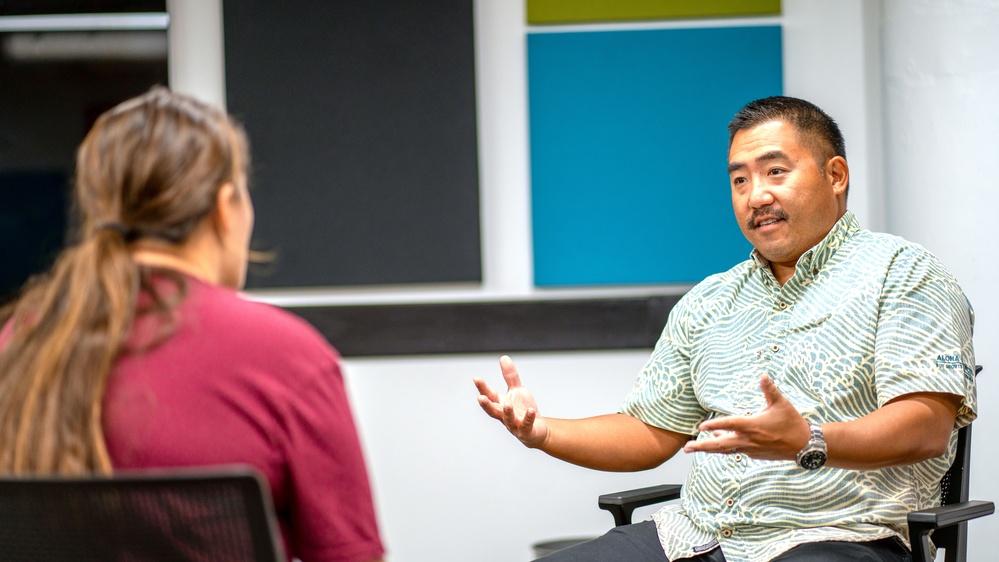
954	488
205	515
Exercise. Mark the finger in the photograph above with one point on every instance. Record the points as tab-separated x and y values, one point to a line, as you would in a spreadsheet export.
724	423
515	425
529	417
491	408
510	373
725	444
486	390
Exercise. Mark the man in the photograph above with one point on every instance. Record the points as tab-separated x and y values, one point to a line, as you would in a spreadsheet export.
819	384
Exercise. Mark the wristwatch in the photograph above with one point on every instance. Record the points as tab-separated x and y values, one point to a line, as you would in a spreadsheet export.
814	454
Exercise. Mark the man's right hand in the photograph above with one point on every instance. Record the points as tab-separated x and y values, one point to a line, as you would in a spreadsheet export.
615	442
517	408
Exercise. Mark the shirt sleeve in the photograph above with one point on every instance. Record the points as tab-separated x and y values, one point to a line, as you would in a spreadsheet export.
924	333
331	508
663	395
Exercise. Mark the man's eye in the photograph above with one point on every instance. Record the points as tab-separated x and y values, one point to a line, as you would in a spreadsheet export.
776	172
738	181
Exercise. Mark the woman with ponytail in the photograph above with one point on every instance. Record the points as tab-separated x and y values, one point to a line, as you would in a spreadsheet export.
136	351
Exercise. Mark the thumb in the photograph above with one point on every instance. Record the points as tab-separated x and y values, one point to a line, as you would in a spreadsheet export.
770	391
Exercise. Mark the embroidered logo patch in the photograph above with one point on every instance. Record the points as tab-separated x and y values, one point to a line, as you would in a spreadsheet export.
706	546
949	361
953	361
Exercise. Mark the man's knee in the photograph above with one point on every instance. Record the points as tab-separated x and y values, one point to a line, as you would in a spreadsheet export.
638	542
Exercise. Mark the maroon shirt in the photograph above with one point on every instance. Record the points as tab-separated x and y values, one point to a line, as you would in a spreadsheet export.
243	382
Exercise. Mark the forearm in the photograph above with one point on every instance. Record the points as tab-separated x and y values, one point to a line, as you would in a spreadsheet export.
903	432
909	429
613	442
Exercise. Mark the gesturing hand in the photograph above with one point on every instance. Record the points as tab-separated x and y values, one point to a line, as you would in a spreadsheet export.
517	408
777	432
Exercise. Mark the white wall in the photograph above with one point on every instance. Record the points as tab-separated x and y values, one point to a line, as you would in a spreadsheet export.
831	58
452	485
941	90
449	483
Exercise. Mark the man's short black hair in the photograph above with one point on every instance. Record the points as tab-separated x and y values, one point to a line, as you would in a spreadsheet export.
812	123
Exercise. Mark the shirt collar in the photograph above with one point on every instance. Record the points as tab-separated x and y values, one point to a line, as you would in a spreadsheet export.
818	256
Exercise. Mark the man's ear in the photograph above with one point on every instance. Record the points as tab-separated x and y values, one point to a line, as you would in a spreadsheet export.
838	172
224	208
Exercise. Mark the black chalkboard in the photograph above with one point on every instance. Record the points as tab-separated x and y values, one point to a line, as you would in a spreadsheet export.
361	117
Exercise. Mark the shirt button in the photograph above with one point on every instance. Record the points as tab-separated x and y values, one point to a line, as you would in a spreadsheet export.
782	305
730	502
775	348
726	533
737	457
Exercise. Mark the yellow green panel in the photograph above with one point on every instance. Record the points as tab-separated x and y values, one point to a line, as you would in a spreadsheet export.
540	12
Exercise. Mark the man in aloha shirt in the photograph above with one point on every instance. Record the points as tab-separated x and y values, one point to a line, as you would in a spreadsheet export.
819	384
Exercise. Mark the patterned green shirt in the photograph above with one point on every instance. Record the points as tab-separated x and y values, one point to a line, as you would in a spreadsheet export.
865	318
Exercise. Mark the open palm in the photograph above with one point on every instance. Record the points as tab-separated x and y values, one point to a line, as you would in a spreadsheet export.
517	408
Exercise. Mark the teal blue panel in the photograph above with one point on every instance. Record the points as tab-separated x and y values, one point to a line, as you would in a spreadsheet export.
629	150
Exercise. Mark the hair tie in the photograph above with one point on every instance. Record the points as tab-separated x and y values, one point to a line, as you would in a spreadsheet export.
128	234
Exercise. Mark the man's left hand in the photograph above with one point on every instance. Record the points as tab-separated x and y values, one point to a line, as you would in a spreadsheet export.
777	432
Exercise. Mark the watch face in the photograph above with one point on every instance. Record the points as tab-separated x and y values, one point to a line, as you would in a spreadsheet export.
812	460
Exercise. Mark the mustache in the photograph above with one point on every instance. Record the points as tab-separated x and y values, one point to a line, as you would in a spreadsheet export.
770	211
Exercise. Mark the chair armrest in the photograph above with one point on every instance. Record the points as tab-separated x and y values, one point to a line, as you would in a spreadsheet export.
925	521
623	504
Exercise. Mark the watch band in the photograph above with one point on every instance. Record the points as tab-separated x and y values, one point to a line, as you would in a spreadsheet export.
816	433
815	453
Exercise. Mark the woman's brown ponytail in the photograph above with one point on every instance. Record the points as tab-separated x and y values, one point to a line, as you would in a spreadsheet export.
149	168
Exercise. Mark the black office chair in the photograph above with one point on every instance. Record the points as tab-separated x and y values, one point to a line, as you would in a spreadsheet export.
948	523
202	515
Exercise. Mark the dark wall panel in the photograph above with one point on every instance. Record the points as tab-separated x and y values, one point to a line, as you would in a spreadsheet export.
501	327
47	105
32	225
361	118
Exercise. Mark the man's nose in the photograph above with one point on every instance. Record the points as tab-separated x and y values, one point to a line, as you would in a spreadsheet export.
760	194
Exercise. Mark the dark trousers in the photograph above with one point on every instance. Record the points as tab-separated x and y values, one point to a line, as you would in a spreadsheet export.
640	543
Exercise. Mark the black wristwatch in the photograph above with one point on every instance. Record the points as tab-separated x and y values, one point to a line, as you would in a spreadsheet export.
814	454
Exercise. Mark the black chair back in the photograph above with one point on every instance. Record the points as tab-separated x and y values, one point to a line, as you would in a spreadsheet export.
190	516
